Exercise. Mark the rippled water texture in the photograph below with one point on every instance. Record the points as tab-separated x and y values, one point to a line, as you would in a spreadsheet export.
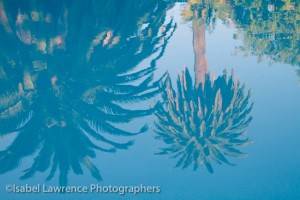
195	99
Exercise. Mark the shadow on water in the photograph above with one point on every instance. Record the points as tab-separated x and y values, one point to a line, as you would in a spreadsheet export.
68	69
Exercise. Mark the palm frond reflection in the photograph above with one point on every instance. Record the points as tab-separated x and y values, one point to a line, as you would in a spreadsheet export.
67	90
203	123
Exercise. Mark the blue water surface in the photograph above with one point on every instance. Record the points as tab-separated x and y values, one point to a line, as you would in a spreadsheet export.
199	99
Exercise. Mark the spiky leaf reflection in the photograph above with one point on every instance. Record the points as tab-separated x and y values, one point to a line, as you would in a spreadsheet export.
205	123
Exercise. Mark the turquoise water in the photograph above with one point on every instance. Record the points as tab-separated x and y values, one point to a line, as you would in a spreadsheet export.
92	92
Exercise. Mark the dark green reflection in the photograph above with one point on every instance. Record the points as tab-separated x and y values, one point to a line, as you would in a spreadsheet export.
267	28
68	73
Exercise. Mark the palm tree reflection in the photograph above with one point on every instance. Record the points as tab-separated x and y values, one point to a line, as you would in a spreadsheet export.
207	120
64	130
65	111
